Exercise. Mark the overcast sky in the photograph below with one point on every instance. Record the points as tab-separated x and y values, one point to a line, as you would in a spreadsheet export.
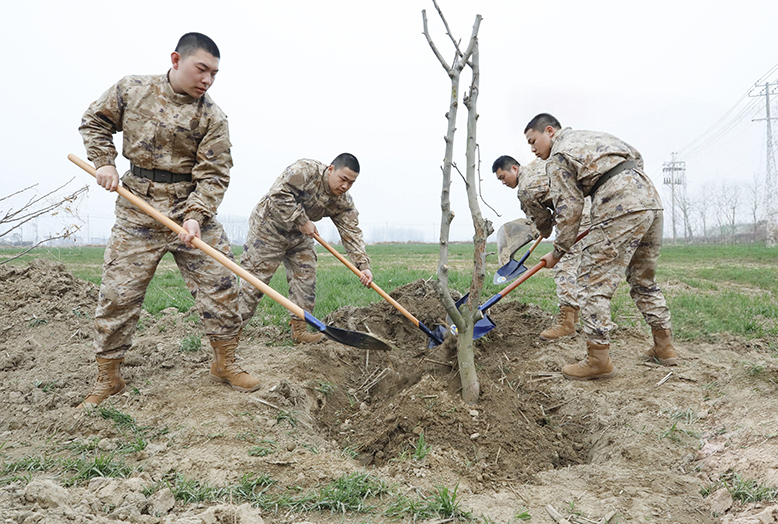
311	79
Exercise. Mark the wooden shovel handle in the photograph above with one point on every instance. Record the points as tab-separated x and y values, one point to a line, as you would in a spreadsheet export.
357	272
213	253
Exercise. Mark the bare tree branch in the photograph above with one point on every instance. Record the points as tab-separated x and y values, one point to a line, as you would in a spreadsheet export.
454	165
480	193
18	218
432	45
50	203
65	234
448	30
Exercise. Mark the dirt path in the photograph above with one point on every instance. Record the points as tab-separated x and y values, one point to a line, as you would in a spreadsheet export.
628	447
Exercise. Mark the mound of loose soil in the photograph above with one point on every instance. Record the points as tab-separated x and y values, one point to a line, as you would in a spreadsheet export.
634	446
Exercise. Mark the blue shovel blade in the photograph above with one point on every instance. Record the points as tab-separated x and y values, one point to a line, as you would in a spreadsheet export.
508	272
440	332
483	326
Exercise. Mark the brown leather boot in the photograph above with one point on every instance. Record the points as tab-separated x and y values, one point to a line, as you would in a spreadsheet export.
300	333
565	325
109	382
225	370
597	364
663	350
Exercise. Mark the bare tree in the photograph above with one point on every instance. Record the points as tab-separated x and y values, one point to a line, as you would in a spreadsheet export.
731	194
720	204
468	315
701	206
755	196
34	206
236	227
685	206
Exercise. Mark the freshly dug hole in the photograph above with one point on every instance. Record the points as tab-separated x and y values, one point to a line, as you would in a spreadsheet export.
386	401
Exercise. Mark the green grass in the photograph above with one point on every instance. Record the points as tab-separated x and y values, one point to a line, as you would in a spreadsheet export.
710	289
264	448
742	489
441	504
191	344
82	468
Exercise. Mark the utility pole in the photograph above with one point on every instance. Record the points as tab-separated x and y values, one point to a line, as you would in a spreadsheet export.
674	175
769	194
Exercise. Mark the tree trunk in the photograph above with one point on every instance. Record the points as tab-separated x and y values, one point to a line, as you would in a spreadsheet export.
466	319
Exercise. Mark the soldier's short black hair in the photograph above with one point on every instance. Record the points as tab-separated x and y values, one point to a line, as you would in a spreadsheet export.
505	162
542	121
190	43
346	160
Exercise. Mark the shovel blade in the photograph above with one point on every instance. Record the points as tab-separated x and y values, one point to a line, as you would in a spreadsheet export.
348	338
440	334
512	236
356	339
508	272
483	326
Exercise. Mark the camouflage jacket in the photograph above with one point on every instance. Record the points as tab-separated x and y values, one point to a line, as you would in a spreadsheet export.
576	162
302	193
163	130
534	196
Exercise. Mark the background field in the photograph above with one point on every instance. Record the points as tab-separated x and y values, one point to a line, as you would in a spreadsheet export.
710	288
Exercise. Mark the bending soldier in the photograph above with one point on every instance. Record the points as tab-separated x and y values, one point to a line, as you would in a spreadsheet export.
177	141
281	229
533	193
625	239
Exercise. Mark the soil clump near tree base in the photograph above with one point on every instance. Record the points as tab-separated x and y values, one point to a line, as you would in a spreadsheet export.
628	445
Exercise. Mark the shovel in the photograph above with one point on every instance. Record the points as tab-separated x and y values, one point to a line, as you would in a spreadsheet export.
348	338
485	325
515	268
406	314
511	237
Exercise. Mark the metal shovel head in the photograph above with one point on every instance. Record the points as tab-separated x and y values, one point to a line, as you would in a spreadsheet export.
347	338
481	328
356	339
508	272
440	333
511	237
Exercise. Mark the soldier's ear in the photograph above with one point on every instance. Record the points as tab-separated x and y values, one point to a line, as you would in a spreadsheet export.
175	59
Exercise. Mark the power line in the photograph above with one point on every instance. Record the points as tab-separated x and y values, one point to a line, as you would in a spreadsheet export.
711	135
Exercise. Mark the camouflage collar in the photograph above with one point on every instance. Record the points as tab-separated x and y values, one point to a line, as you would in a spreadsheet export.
562	132
175	97
325	181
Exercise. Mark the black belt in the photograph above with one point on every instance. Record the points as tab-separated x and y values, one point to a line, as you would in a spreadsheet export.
159	175
627	164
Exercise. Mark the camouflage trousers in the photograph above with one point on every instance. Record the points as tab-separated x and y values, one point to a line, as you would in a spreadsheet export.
131	258
629	246
566	270
566	278
264	251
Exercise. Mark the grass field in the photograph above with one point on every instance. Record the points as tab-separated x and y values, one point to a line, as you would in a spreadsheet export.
710	288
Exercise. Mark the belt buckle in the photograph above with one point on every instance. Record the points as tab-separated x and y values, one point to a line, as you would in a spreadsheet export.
163	176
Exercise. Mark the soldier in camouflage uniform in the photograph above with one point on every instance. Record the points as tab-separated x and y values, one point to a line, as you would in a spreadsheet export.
625	239
177	141
536	203
281	229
